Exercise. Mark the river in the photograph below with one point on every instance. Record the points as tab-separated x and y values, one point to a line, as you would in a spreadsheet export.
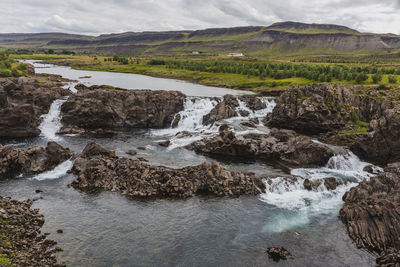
108	229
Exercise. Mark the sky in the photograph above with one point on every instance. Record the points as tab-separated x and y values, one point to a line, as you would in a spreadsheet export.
96	17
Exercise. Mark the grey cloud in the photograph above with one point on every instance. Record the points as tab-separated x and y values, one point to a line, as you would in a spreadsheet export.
106	16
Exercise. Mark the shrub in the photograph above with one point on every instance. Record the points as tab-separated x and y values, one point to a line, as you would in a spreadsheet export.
392	79
5	73
377	78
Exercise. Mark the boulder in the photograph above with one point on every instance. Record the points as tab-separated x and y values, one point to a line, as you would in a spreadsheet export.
223	110
134	178
107	109
279	145
371	213
164	143
31	160
332	183
227	108
278	253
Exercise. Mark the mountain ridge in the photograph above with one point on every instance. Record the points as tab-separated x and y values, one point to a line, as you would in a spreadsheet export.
281	37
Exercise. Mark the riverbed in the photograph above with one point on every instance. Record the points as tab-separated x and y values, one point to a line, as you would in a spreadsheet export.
108	229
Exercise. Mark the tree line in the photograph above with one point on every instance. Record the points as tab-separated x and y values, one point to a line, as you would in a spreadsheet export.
314	72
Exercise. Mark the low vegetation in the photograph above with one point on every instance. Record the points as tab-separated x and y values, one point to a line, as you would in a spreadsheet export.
9	67
257	74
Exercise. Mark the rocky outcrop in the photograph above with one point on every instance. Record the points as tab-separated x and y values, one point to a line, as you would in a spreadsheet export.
320	108
372	214
227	108
278	253
22	102
111	108
280	145
22	243
31	160
366	119
99	169
381	143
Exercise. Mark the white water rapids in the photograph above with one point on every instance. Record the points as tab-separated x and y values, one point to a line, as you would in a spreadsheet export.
297	204
190	127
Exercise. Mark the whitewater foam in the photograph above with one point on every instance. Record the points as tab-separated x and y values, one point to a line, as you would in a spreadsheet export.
56	173
190	127
300	204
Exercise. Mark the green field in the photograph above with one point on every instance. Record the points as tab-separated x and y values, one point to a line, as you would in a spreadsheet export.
263	75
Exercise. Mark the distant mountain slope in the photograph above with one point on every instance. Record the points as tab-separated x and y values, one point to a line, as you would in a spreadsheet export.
279	38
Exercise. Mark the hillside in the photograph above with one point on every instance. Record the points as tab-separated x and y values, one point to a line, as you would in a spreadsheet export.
278	39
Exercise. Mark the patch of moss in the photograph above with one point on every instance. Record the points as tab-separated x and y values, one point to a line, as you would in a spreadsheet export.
4	261
357	130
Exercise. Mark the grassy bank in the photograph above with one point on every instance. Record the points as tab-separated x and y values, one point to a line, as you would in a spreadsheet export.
254	74
11	68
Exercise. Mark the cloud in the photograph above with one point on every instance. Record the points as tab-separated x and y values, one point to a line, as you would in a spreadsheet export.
107	16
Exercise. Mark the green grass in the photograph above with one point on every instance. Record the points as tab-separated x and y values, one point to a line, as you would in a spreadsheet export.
360	127
229	80
358	130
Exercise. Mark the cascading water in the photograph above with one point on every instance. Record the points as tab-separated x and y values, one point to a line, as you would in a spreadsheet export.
299	205
190	127
51	121
56	173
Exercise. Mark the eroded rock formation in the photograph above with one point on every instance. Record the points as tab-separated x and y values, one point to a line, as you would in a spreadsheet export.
99	169
105	108
22	102
31	160
366	119
372	214
280	145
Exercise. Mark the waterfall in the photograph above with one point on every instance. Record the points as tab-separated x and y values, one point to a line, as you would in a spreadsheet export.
302	204
51	122
56	173
190	127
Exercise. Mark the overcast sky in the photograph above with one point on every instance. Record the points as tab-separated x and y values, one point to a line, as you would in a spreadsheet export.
108	16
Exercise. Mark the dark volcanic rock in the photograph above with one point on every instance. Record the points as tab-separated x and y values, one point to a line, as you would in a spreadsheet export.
389	258
31	160
223	110
164	143
337	111
281	145
106	108
22	244
278	253
332	183
22	102
320	108
99	171
381	144
372	213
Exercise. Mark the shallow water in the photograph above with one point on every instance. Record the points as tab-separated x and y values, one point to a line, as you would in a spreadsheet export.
132	81
110	230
